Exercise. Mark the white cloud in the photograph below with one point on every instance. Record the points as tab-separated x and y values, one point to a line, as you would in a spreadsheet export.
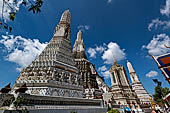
157	45
113	52
84	27
100	49
152	74
109	1
103	68
104	71
109	52
166	9
20	50
93	51
7	9
157	23
106	74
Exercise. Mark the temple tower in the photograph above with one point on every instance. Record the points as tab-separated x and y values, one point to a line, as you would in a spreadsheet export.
133	75
87	69
54	71
79	48
137	86
122	92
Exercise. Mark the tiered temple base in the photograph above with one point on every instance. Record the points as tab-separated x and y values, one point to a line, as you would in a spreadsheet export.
59	101
48	102
51	88
77	110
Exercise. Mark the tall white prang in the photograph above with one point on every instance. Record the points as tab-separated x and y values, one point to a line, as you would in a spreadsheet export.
137	86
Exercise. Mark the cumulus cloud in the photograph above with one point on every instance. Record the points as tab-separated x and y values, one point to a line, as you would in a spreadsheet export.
113	52
162	24
157	23
109	1
100	48
152	74
20	50
7	9
104	71
157	45
109	52
106	74
93	51
166	9
103	68
84	27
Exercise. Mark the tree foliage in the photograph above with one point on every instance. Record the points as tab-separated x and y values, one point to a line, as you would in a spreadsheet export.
73	111
32	5
36	7
114	111
12	16
160	93
165	91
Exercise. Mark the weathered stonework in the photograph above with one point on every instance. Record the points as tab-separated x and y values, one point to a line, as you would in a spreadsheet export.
122	93
137	86
54	71
49	102
60	76
87	69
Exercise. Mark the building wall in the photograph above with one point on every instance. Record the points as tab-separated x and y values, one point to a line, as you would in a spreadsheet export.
85	110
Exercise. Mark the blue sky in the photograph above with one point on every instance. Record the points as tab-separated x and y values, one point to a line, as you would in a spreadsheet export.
127	29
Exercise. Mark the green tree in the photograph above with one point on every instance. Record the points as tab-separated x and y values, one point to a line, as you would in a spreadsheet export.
73	111
165	91
114	111
32	5
160	93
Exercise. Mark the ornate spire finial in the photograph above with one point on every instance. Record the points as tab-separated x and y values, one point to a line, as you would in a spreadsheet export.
130	67
79	35
79	48
65	17
114	60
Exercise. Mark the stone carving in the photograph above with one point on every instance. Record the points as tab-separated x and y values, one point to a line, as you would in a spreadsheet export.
55	66
137	86
121	89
